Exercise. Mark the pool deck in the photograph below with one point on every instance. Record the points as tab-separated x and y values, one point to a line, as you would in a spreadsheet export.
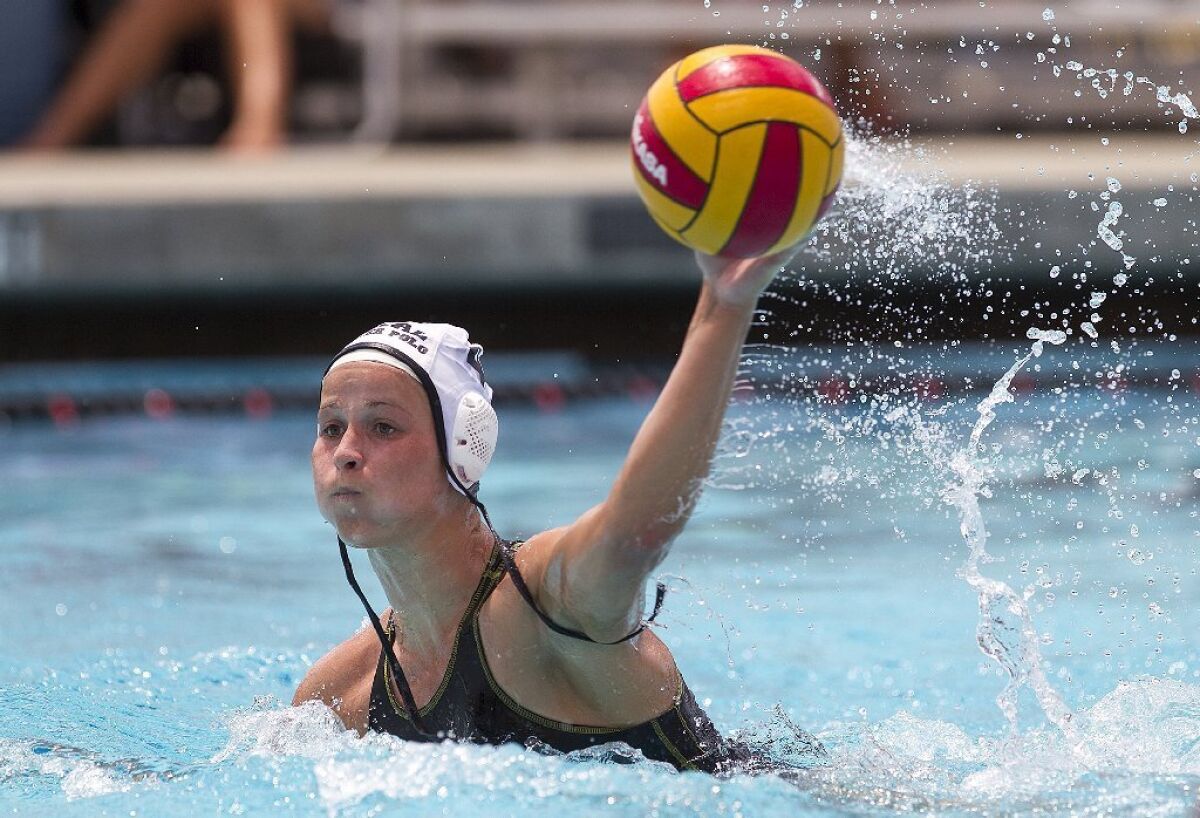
435	218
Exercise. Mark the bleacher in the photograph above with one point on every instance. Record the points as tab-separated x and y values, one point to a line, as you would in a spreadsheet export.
542	69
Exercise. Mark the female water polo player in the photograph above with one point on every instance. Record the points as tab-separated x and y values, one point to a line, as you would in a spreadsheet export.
489	641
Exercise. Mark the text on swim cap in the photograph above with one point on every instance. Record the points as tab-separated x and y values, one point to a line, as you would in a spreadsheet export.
406	332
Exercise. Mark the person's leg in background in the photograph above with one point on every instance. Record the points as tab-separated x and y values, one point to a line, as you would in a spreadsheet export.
139	36
258	35
129	49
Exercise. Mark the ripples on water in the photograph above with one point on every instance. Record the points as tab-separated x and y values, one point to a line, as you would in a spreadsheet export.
823	592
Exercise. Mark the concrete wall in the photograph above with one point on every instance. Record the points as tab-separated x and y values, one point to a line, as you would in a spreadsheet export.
480	223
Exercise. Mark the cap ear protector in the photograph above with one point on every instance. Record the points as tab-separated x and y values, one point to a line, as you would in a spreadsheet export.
472	438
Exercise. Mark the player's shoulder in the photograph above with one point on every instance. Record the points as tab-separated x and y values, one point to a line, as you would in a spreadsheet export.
342	678
538	549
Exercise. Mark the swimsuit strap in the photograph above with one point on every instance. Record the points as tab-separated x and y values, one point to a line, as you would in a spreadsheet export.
510	565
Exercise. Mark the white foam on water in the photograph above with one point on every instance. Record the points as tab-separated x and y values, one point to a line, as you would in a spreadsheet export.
352	771
1142	740
79	776
1143	758
449	771
88	780
311	730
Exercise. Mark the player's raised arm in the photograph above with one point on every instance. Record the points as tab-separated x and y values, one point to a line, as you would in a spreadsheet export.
595	576
736	150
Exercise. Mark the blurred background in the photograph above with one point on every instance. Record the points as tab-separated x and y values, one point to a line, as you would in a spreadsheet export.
266	177
201	201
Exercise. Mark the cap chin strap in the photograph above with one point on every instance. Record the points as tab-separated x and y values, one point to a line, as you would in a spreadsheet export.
410	702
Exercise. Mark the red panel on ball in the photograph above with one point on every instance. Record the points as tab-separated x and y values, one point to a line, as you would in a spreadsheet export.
659	165
751	71
768	209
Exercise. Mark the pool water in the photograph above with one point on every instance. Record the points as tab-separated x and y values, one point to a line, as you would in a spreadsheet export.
165	584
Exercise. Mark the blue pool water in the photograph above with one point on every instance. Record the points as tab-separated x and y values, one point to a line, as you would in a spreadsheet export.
165	584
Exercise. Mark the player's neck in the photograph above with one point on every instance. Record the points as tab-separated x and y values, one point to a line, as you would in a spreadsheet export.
429	578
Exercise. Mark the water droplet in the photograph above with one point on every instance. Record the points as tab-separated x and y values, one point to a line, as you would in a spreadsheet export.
1050	336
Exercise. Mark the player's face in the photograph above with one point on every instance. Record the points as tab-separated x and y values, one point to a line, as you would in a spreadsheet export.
376	466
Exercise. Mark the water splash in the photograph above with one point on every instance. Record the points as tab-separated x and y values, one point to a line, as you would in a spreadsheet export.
896	213
1006	632
1105	82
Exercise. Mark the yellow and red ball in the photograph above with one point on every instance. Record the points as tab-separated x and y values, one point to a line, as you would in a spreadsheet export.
737	151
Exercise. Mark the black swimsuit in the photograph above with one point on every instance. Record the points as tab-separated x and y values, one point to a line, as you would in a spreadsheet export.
470	705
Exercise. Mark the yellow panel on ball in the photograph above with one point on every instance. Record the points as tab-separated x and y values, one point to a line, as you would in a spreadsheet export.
666	211
694	144
737	106
737	166
666	228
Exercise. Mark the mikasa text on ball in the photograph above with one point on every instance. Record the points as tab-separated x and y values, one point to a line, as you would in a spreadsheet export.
737	151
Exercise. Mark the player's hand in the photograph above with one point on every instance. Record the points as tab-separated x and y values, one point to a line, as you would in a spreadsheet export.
738	282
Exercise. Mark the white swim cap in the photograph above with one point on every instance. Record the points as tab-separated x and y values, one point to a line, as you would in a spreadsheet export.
443	360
